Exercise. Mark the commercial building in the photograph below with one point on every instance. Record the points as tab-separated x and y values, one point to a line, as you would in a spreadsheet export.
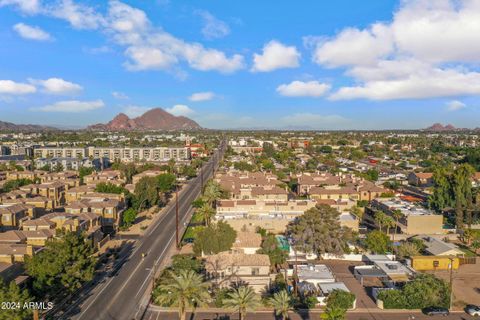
415	218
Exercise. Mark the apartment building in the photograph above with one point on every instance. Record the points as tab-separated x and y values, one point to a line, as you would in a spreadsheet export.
125	154
256	186
270	215
106	176
69	163
108	209
415	219
12	215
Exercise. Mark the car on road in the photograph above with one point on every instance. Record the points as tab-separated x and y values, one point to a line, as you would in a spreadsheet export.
436	311
473	310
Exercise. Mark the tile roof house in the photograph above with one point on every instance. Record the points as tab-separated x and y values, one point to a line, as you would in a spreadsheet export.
247	242
226	269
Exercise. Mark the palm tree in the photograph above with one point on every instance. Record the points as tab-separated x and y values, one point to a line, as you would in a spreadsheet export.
242	299
397	215
212	192
282	302
186	290
333	313
380	218
206	212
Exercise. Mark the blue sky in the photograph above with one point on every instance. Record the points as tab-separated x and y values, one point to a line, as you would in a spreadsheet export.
241	64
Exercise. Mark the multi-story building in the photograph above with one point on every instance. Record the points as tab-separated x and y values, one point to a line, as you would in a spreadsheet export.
125	154
414	218
69	163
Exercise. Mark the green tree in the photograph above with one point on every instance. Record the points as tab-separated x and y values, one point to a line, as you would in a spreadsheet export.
186	290
15	184
129	217
205	212
84	171
424	291
378	242
213	191
166	182
281	302
65	263
407	249
214	239
333	313
186	262
270	247
371	175
146	193
318	231
107	187
13	294
242	299
340	299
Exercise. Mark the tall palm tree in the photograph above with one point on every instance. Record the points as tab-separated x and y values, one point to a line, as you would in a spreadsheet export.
212	192
242	299
397	215
186	290
282	302
206	212
380	219
333	313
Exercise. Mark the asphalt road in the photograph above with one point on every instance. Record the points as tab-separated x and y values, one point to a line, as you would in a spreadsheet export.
123	295
375	314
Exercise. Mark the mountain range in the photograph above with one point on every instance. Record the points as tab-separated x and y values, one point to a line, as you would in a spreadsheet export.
154	119
438	127
12	127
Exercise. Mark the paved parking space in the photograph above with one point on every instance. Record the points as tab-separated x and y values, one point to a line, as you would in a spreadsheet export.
343	270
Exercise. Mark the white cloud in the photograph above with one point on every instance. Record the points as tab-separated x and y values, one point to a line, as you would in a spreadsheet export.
429	49
79	16
355	47
455	105
72	106
428	82
276	55
213	28
120	95
26	6
57	86
32	32
201	96
313	120
180	110
303	89
15	88
135	111
147	47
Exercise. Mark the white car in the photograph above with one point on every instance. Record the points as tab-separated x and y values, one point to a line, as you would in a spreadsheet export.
473	310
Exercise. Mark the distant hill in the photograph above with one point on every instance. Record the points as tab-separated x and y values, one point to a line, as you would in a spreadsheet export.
438	127
12	127
154	119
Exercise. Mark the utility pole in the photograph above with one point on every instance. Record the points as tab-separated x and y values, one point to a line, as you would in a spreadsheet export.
451	282
176	218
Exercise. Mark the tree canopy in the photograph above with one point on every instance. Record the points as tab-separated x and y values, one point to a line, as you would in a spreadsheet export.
318	231
64	264
214	238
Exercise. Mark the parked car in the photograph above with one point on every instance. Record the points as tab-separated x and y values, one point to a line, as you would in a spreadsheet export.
473	310
436	311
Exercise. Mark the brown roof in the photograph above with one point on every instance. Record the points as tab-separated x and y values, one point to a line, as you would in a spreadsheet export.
247	240
343	190
424	175
15	249
12	236
223	260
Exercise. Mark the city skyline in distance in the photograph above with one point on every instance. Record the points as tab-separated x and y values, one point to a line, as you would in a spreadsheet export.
331	66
